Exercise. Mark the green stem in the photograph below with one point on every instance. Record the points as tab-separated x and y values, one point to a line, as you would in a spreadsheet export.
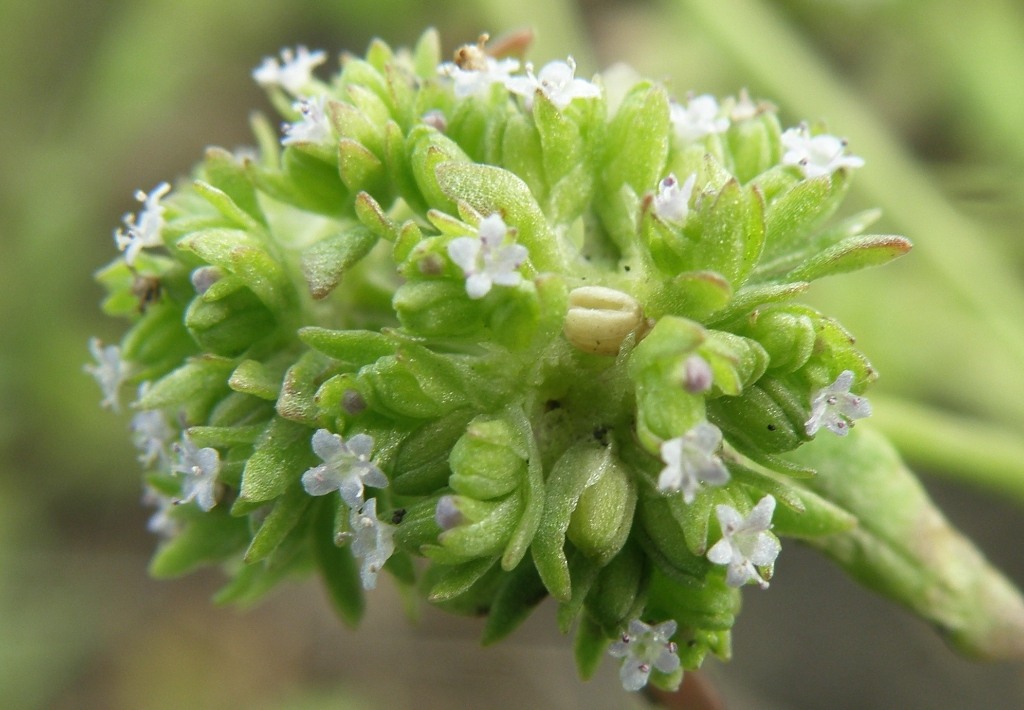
958	448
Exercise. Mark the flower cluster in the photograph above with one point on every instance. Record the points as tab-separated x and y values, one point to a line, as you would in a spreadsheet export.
347	468
466	313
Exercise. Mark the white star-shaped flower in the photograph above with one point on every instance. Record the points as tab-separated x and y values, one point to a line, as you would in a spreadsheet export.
690	459
346	467
143	230
746	543
818	155
699	118
672	203
485	259
313	127
293	73
557	81
835	407
151	434
200	468
110	372
373	541
643	648
473	80
160	523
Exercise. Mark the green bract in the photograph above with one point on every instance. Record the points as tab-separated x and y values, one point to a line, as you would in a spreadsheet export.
564	332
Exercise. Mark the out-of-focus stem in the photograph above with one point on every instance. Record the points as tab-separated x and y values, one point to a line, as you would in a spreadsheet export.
966	450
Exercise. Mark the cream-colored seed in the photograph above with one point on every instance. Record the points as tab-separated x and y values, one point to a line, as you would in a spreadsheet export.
600	319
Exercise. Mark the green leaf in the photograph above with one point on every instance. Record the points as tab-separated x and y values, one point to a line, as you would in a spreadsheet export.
905	549
304	181
297	400
532	491
360	169
691	294
562	145
457	579
797	212
750	297
206	538
713	606
224	436
238	253
421	463
283	518
489	189
727	233
521	590
851	254
196	384
565	484
352	123
637	143
227	173
228	323
354	347
426	55
589	647
226	206
621	590
280	458
485	532
338	569
427	150
258	379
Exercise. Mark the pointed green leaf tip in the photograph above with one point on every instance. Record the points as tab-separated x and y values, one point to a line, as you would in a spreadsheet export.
905	549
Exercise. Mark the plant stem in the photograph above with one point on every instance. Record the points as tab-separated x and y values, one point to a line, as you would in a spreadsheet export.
958	448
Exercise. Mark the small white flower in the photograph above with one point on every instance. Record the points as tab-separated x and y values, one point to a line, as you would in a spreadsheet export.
313	127
746	543
643	648
690	459
160	523
373	541
151	434
816	155
834	407
144	230
346	467
486	260
557	81
699	118
293	74
672	203
472	80
110	372
200	468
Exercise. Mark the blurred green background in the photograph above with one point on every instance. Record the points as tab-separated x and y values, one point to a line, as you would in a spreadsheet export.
102	97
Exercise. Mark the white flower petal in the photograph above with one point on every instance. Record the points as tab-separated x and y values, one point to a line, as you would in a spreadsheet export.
346	467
